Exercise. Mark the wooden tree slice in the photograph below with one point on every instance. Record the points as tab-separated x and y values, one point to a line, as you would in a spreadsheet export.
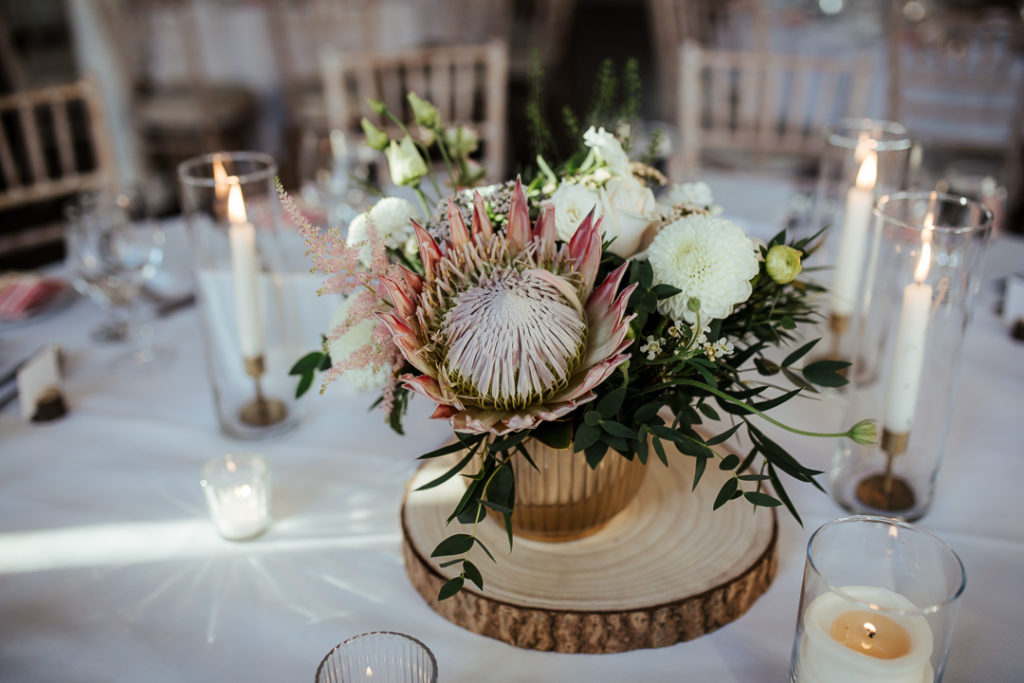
665	570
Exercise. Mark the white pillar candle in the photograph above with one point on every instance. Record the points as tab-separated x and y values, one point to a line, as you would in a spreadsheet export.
850	258
824	659
908	352
245	274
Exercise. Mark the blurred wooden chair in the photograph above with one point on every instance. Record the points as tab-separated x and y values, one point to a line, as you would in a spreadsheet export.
182	112
468	85
751	109
957	83
54	142
674	22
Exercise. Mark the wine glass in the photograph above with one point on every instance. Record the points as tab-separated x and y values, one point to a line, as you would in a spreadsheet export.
111	250
334	171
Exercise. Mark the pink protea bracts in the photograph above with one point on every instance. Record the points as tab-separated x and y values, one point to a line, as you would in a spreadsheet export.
506	327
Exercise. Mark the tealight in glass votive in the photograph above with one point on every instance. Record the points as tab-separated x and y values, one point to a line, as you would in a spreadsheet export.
237	488
878	603
863	160
378	657
232	212
926	252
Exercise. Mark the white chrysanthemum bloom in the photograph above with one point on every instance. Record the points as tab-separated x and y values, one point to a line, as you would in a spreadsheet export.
392	217
370	377
608	149
572	204
711	259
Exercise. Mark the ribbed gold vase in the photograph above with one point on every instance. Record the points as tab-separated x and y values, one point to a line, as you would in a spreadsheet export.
564	498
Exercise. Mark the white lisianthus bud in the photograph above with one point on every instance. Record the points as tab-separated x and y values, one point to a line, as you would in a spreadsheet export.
608	149
405	163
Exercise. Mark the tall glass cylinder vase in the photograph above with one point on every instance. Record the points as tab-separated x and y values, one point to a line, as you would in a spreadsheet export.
233	214
863	160
923	269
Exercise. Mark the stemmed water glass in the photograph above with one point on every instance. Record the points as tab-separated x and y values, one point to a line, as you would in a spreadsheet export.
111	250
334	169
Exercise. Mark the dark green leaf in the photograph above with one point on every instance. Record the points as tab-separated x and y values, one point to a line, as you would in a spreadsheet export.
456	544
595	453
753	477
556	434
664	291
472	493
484	548
780	491
659	450
450	448
708	411
325	364
724	436
799	353
308	363
647	411
698	471
726	492
617	429
825	373
586	436
304	384
729	462
450	588
526	455
473	574
450	473
609	405
508	442
799	381
448	563
501	486
497	507
641	445
765	366
761	499
591	418
765	406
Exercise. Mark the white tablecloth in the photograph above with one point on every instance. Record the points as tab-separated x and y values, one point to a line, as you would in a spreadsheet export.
110	569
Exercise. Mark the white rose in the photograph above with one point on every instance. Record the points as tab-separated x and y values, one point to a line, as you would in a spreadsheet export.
628	207
572	204
608	149
356	337
392	217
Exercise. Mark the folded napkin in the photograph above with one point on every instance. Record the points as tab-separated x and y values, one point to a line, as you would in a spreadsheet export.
22	294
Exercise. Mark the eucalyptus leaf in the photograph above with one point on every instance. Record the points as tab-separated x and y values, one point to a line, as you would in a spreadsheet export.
825	373
617	429
586	435
456	544
729	462
305	382
725	493
471	573
761	499
799	353
609	406
450	588
308	363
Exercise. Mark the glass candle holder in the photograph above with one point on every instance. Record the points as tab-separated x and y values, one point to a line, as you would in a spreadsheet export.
863	160
926	255
879	603
232	212
237	488
378	657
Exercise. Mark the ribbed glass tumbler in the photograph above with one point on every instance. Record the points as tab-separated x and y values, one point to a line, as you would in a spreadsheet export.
378	657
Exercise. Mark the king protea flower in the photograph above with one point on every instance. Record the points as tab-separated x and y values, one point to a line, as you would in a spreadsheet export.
506	327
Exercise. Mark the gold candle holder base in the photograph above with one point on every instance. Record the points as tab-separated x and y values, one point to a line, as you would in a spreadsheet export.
888	491
261	411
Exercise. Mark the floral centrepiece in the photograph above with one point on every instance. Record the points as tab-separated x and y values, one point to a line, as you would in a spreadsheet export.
572	310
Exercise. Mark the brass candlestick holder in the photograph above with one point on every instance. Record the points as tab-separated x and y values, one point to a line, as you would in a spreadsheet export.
261	411
838	323
888	491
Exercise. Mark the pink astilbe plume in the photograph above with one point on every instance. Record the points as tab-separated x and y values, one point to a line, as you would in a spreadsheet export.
339	262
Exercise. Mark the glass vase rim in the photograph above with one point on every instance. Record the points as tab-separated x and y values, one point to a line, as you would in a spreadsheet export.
890	199
405	636
186	167
911	528
895	136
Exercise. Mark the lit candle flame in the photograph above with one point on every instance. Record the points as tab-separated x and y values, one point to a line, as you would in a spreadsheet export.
369	672
220	179
868	172
236	206
925	262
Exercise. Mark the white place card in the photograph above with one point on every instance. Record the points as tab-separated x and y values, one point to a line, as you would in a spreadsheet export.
40	376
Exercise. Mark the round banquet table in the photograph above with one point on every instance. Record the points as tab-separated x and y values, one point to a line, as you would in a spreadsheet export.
110	569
